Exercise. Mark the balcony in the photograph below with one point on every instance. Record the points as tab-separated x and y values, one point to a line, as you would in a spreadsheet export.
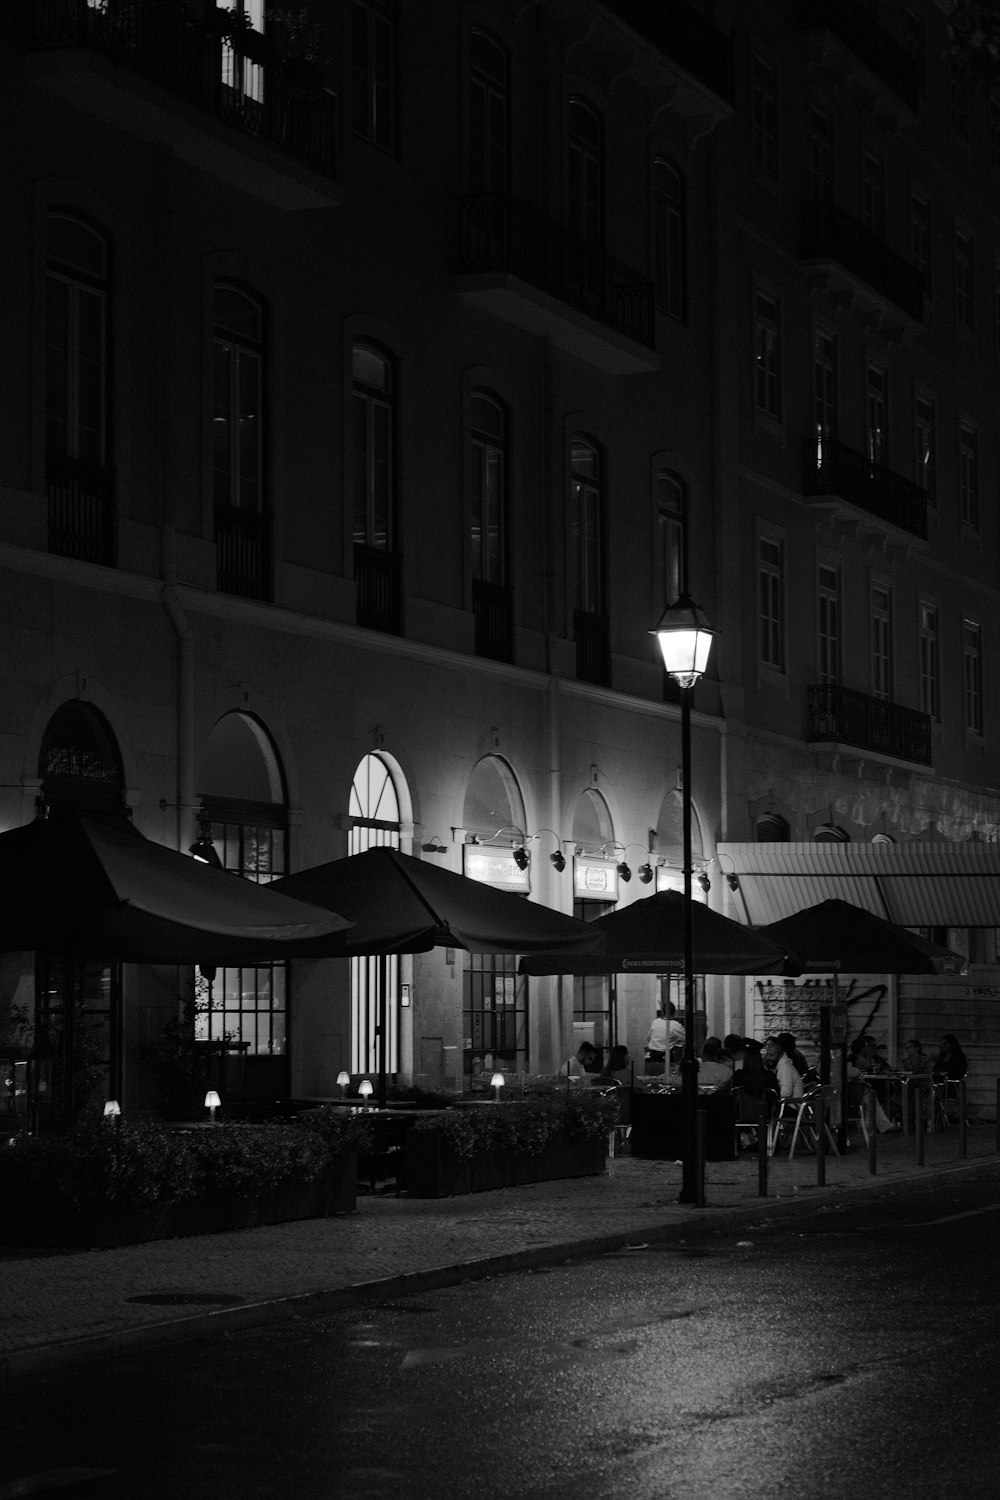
834	472
829	234
686	38
839	715
493	604
850	22
278	124
378	589
593	650
524	268
81	509
243	552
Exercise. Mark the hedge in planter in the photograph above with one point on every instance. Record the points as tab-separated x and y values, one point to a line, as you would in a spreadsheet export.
111	1184
505	1145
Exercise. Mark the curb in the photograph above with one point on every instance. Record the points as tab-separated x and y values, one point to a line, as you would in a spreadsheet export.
62	1354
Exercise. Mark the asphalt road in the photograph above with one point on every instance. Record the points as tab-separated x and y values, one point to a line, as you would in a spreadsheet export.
843	1351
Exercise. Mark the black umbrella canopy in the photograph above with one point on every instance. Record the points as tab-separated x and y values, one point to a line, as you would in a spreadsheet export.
100	890
400	904
835	936
648	937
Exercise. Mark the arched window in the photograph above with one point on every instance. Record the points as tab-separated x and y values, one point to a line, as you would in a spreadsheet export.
79	764
492	799
771	829
592	825
243	811
77	389
670	831
670	225
829	833
489	107
375	822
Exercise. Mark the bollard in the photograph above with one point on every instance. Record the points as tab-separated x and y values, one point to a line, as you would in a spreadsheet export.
918	1121
762	1135
868	1105
820	1140
963	1124
699	1158
998	1116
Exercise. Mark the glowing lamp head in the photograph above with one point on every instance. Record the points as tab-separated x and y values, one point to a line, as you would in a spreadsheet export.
365	1088
112	1109
685	638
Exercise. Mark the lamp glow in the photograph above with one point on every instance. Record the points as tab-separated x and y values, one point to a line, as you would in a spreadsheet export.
496	1084
112	1109
212	1103
343	1079
365	1088
685	639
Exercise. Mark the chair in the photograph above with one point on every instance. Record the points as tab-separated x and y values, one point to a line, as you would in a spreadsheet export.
803	1117
748	1108
944	1090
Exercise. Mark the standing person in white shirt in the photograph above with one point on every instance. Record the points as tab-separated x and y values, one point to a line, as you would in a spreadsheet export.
664	1035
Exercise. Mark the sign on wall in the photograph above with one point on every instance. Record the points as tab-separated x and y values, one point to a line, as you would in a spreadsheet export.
594	879
495	867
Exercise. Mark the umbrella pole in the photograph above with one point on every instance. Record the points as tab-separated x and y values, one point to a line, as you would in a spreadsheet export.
383	1002
68	1038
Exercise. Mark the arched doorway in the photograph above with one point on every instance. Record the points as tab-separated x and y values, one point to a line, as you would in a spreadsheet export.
494	995
375	823
76	1062
242	1014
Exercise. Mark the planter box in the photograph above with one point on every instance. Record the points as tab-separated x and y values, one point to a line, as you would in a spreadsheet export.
434	1171
43	1223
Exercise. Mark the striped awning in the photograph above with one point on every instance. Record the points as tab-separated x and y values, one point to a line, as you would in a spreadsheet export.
915	884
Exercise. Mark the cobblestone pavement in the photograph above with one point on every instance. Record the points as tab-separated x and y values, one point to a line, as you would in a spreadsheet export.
58	1307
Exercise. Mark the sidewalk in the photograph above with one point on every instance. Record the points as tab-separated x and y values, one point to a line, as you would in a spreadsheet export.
61	1307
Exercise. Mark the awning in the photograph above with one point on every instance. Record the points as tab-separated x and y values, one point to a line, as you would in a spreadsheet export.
915	885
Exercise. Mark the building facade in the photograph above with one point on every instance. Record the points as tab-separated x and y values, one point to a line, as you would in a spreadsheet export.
369	387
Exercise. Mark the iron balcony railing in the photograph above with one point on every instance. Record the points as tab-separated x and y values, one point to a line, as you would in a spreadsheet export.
683	35
851	22
81	509
493	604
378	589
270	102
828	233
832	468
840	715
503	235
593	649
243	552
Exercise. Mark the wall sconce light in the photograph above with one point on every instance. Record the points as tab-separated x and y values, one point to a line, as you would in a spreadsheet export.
645	872
704	882
112	1110
496	1084
521	857
203	849
733	881
559	861
343	1080
365	1088
624	872
435	845
212	1103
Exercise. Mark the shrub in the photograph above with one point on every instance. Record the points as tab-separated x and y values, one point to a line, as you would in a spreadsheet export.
525	1127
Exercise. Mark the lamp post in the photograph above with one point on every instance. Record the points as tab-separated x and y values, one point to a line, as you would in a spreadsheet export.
685	638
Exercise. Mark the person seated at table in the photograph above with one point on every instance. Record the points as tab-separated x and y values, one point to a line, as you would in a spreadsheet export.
618	1068
788	1077
913	1058
583	1062
713	1071
949	1068
790	1043
859	1082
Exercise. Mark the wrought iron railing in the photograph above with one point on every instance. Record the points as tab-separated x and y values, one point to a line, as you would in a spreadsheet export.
852	24
827	232
243	552
840	715
832	468
378	589
501	234
186	56
493	604
81	509
682	34
593	649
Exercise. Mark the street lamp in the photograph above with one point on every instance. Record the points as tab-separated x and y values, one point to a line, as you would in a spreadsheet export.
685	638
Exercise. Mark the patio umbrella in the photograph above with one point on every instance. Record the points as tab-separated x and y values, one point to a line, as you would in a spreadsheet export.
399	904
648	937
86	888
835	936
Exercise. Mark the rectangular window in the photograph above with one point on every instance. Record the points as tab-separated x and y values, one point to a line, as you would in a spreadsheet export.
994	127
920	241
913	44
972	676
828	622
968	474
671	538
964	287
923	444
768	355
877	413
881	622
873	193
958	99
930	672
824	392
820	154
373	69
670	229
996	308
771	586
764	116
